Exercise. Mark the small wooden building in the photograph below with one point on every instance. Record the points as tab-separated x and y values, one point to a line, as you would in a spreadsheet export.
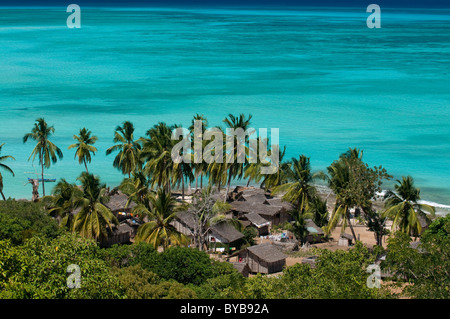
118	205
120	234
242	267
258	222
315	233
345	240
264	258
225	234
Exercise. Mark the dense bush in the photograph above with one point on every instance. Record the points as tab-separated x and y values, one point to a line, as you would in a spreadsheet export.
426	267
38	269
20	220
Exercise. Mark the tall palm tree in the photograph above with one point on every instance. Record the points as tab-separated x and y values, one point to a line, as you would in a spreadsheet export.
235	169
137	188
46	151
94	219
280	176
199	169
299	225
84	146
299	189
128	157
159	230
403	208
156	151
339	172
355	184
61	203
6	168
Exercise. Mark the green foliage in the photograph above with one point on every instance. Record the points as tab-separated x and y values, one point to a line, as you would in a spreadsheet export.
19	220
439	227
339	274
38	269
426	267
185	265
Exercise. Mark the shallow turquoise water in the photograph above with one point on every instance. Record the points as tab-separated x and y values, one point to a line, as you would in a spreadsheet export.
319	75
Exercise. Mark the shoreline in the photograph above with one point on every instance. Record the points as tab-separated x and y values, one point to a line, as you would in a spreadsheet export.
441	209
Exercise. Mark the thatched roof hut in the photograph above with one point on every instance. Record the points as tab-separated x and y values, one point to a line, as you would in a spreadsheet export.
315	233
264	258
260	223
225	233
242	267
117	203
274	214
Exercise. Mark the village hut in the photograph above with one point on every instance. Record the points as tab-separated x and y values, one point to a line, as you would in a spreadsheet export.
258	222
345	240
274	214
315	233
117	204
222	235
225	236
120	234
264	258
310	261
242	268
184	223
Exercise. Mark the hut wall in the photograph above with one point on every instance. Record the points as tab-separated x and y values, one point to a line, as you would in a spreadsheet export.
182	228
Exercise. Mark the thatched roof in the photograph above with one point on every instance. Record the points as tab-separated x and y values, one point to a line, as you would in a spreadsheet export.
267	252
118	201
227	232
257	198
256	219
280	202
187	219
346	236
313	228
262	209
243	268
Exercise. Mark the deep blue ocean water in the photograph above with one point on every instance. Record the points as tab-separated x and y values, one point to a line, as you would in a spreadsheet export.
320	75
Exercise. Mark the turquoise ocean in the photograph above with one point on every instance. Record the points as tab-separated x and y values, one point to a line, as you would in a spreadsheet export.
320	75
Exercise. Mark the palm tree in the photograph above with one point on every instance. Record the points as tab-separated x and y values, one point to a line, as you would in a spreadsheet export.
128	157
236	169
403	208
299	189
5	167
84	146
47	151
319	210
61	203
137	188
159	230
94	219
280	177
156	151
355	184
199	168
339	172
299	225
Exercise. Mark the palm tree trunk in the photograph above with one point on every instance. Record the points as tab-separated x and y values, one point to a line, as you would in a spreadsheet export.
201	180
42	175
182	188
228	186
347	215
85	165
3	195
